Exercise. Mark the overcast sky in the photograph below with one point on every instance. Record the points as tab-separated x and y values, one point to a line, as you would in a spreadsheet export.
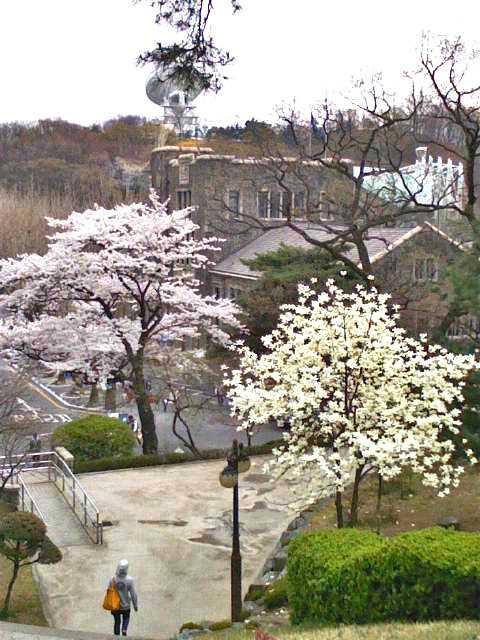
76	59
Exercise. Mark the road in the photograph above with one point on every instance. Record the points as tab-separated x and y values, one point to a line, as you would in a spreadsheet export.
38	411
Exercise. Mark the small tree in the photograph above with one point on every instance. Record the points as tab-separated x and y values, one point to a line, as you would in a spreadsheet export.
185	382
93	437
359	394
24	541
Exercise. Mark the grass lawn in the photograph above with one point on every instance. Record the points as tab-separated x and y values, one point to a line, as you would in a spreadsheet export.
458	630
25	605
419	508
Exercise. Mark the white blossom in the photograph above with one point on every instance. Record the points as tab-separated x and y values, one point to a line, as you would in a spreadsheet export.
356	390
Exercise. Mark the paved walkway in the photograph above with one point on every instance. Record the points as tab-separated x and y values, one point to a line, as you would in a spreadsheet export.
10	631
64	528
173	524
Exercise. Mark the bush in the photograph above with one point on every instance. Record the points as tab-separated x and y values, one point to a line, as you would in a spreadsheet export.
220	626
276	594
348	576
95	437
153	460
190	625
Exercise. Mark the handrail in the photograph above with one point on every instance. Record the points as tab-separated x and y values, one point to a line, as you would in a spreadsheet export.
34	508
70	487
80	500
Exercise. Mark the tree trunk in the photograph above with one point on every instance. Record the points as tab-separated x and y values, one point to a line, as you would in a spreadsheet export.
93	400
60	378
111	397
6	603
379	500
339	508
353	519
147	420
146	415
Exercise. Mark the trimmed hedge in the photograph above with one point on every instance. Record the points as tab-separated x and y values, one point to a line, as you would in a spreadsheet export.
353	577
94	437
153	460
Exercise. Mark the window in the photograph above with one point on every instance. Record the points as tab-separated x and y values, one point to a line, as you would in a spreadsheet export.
217	291
425	269
299	203
275	204
263	204
432	269
184	199
286	203
234	202
234	293
394	265
465	327
419	270
183	173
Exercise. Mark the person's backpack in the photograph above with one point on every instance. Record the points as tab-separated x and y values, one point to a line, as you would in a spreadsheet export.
111	601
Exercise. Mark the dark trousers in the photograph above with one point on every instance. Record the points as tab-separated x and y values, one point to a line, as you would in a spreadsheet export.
122	615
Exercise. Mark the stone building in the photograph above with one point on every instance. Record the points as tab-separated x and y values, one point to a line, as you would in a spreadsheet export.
406	263
234	194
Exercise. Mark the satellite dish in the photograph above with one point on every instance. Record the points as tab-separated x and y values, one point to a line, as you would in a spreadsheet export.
163	90
175	97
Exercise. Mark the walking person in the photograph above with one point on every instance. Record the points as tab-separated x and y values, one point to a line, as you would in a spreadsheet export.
34	448
133	424
125	587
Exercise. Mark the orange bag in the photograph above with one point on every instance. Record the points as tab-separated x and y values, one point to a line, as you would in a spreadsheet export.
111	602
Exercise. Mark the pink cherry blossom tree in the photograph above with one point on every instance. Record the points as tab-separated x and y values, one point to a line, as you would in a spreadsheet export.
129	278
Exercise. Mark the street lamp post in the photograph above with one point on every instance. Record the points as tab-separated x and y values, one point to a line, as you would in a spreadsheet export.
237	462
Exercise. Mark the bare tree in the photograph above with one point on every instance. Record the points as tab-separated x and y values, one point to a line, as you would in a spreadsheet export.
13	434
184	384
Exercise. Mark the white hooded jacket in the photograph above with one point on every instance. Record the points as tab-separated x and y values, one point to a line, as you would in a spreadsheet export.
125	586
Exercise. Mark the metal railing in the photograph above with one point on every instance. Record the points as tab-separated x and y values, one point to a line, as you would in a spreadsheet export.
76	497
64	479
26	501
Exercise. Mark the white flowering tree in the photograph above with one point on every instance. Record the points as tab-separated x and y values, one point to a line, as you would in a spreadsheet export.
130	277
359	394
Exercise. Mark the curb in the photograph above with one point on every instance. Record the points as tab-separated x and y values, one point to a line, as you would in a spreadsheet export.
59	398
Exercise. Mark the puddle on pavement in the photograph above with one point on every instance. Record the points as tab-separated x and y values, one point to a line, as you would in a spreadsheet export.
207	538
168	523
257	477
263	490
256	506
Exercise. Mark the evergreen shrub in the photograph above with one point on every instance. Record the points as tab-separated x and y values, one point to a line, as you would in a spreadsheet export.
353	577
94	437
276	594
153	460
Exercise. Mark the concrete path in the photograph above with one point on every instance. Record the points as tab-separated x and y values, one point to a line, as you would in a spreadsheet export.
63	526
12	631
173	523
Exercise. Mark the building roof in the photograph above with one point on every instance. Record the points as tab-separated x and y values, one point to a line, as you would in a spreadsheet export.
380	241
428	180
